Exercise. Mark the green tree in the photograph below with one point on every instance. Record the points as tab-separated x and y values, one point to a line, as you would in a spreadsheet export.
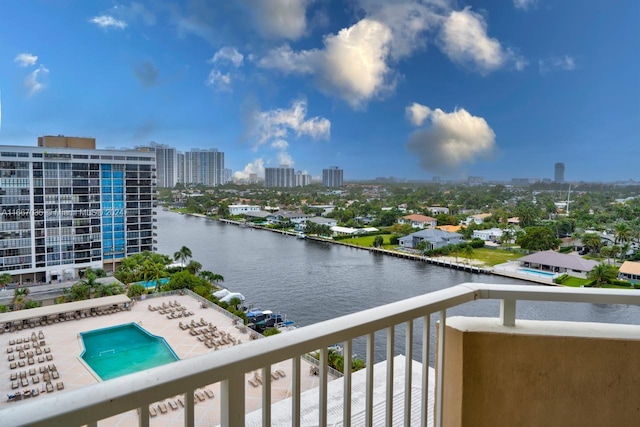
623	233
211	277
20	298
602	274
135	290
194	267
592	242
183	255
538	239
468	252
5	279
378	241
153	272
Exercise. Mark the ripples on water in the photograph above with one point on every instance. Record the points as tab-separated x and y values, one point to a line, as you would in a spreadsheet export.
315	281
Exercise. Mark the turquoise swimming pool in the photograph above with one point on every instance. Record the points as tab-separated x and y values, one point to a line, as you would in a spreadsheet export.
151	284
124	349
536	272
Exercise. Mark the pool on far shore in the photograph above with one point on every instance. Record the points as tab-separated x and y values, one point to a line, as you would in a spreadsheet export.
124	349
537	272
151	284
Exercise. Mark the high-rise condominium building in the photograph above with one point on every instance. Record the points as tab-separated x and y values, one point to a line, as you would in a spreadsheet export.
204	167
302	179
166	163
282	176
559	172
66	209
332	177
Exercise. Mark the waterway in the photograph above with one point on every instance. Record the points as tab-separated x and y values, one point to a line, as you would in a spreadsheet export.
314	281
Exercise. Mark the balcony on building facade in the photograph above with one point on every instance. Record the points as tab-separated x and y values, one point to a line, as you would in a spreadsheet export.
488	371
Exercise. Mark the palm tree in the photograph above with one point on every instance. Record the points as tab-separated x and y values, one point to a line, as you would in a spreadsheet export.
183	255
20	298
5	279
623	232
592	241
624	250
153	271
607	251
194	267
601	274
211	277
468	251
89	282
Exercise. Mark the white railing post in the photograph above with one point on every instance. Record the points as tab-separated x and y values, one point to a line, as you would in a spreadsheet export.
426	348
347	353
143	417
324	369
369	380
508	312
232	401
189	408
390	353
440	369
295	391
266	396
408	371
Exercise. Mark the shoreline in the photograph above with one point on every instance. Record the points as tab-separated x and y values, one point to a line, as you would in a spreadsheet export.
438	261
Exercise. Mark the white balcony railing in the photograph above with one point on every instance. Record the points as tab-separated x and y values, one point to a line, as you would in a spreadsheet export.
137	391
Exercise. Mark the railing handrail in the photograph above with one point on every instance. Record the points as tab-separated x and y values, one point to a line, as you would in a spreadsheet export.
103	400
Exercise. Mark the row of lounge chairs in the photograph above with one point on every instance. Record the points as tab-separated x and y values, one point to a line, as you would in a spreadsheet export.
26	340
165	306
177	403
178	314
257	378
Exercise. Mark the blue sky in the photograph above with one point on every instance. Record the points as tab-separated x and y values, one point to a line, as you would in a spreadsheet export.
407	88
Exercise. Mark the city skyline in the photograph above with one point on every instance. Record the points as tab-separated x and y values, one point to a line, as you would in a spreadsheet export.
411	89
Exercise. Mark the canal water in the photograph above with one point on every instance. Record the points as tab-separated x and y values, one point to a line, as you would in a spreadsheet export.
314	281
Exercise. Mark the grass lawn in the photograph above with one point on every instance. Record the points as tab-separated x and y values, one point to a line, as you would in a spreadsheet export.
367	241
575	282
493	257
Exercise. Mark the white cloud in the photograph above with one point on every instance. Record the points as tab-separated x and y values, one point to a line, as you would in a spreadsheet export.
451	140
279	19
408	20
107	21
26	59
273	125
464	40
417	113
280	144
352	64
219	81
33	83
228	54
524	4
257	167
564	62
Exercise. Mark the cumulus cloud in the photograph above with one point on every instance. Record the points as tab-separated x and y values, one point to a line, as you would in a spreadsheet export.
228	54
255	167
409	21
107	21
33	82
26	59
219	81
564	63
269	126
273	128
464	40
417	113
524	4
352	64
147	73
279	19
451	140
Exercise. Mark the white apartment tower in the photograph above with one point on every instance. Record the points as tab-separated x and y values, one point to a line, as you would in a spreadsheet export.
204	167
332	177
66	206
280	177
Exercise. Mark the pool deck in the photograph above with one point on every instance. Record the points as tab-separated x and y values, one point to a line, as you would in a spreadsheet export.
65	346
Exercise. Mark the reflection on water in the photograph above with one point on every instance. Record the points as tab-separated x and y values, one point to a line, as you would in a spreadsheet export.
315	281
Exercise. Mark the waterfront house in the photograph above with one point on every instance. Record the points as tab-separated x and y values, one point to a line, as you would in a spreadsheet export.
418	221
433	237
438	210
295	217
476	219
350	231
630	270
573	265
243	209
490	235
331	222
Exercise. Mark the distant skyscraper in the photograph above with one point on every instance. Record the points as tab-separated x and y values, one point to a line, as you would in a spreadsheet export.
204	167
302	179
282	176
332	177
166	163
559	172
